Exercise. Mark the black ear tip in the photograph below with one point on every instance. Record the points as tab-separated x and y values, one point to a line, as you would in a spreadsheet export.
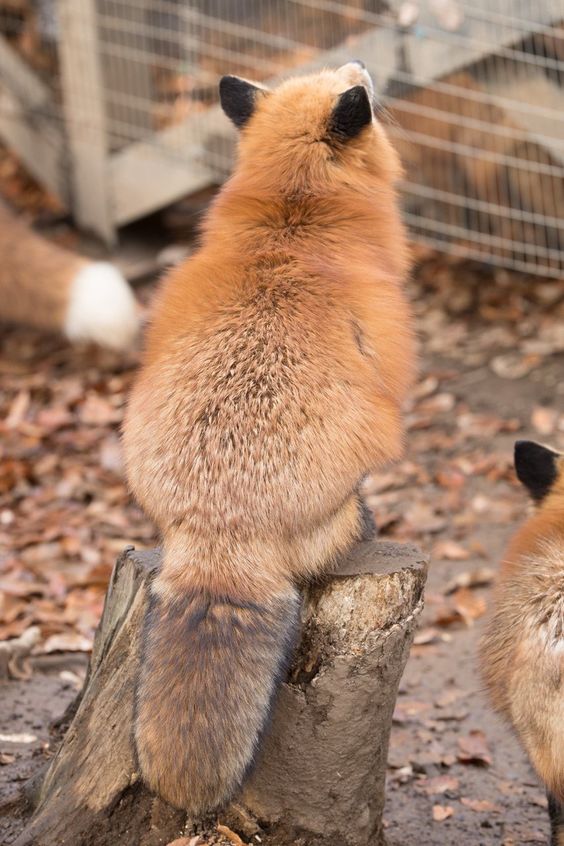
522	452
351	114
359	93
227	84
226	81
536	468
238	98
530	450
521	447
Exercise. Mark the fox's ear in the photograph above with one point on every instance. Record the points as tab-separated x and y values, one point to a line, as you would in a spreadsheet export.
536	467
238	98
351	114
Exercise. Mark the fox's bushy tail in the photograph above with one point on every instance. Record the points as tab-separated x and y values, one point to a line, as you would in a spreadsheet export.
48	287
210	669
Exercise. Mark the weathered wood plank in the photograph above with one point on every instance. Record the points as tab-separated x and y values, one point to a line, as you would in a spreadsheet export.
22	81
146	176
37	143
534	103
84	109
432	52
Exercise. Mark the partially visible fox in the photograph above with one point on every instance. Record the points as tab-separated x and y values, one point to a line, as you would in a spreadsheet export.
278	359
523	649
45	286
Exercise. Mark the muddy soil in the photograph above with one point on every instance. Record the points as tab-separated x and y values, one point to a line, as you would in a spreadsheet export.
31	712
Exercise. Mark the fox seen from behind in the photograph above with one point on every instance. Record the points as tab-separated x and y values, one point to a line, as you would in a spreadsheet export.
276	364
523	648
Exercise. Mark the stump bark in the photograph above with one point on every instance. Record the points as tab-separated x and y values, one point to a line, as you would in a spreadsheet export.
320	776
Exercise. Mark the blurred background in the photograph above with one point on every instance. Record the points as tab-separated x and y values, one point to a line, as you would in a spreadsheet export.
112	145
112	105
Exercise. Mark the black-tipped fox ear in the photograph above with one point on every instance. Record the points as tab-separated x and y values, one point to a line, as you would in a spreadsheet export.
351	114
536	468
238	98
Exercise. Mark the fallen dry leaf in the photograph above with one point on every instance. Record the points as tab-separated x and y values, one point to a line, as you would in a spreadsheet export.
18	738
485	425
425	388
531	836
446	615
422	518
468	605
51	419
437	404
230	835
438	784
514	365
481	805
97	411
480	577
187	841
425	636
76	681
473	749
67	642
450	550
405	711
17	410
442	812
448	697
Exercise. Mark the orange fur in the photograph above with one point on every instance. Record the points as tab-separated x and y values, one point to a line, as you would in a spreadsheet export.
47	287
277	361
35	276
522	652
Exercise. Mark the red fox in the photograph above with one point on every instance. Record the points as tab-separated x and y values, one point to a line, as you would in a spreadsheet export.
277	361
45	286
523	649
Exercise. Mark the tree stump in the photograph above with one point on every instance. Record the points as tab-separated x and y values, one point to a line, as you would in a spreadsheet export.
321	772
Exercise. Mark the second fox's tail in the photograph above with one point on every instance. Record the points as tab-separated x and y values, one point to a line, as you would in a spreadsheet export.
210	669
48	287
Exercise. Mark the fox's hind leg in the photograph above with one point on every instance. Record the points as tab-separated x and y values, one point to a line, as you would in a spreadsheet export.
556	814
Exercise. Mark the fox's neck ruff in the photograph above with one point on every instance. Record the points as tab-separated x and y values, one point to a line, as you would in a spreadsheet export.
253	217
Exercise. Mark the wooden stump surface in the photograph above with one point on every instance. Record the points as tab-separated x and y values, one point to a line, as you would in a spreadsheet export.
320	776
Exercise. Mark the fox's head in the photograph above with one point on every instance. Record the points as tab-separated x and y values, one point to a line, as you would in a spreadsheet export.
541	470
311	128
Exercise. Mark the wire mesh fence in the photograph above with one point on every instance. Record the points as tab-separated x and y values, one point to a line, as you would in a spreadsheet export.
113	103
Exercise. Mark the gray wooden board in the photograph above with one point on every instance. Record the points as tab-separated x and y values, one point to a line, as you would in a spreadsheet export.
39	145
534	104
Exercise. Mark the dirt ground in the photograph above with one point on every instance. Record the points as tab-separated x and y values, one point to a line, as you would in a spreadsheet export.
491	372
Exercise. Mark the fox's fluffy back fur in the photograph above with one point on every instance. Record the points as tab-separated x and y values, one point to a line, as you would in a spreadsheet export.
522	652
